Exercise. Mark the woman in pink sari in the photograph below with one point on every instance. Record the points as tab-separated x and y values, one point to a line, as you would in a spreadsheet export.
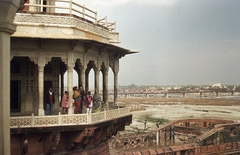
65	102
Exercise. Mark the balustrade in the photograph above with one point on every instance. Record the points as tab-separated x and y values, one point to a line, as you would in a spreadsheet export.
66	120
69	7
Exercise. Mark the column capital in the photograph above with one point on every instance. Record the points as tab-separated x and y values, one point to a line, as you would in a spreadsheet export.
82	68
115	71
70	67
105	71
96	69
40	67
8	10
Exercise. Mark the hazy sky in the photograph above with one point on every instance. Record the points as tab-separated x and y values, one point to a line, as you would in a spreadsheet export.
181	42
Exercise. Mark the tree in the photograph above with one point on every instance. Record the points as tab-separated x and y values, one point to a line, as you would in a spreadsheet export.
148	117
158	121
144	119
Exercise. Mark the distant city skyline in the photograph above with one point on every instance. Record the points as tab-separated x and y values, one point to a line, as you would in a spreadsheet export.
111	85
181	42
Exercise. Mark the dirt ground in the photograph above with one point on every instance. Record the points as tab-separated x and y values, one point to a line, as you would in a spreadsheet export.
183	108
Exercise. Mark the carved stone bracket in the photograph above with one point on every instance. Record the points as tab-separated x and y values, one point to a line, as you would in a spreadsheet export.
73	44
87	47
118	54
102	49
41	58
78	65
114	64
55	142
89	131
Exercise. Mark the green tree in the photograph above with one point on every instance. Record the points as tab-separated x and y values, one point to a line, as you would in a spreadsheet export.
144	119
148	117
158	121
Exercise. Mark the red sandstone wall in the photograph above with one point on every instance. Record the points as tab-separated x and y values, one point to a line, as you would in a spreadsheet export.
102	149
40	143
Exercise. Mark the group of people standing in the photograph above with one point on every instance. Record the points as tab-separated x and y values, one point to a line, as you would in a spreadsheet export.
93	103
79	97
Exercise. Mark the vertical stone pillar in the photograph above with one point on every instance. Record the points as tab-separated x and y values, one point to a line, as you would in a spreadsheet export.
82	77
160	136
62	85
96	80
40	90
201	95
157	137
115	87
70	86
105	88
5	91
8	10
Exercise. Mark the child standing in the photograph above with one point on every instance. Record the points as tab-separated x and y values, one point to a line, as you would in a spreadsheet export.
89	102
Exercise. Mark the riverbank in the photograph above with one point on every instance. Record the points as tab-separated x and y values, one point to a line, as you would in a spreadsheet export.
186	101
184	108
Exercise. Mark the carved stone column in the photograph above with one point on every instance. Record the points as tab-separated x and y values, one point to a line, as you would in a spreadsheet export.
82	77
40	90
70	86
62	85
5	91
105	88
8	9
96	80
115	87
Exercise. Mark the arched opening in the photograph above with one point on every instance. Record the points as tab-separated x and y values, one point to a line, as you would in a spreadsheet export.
54	76
23	85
